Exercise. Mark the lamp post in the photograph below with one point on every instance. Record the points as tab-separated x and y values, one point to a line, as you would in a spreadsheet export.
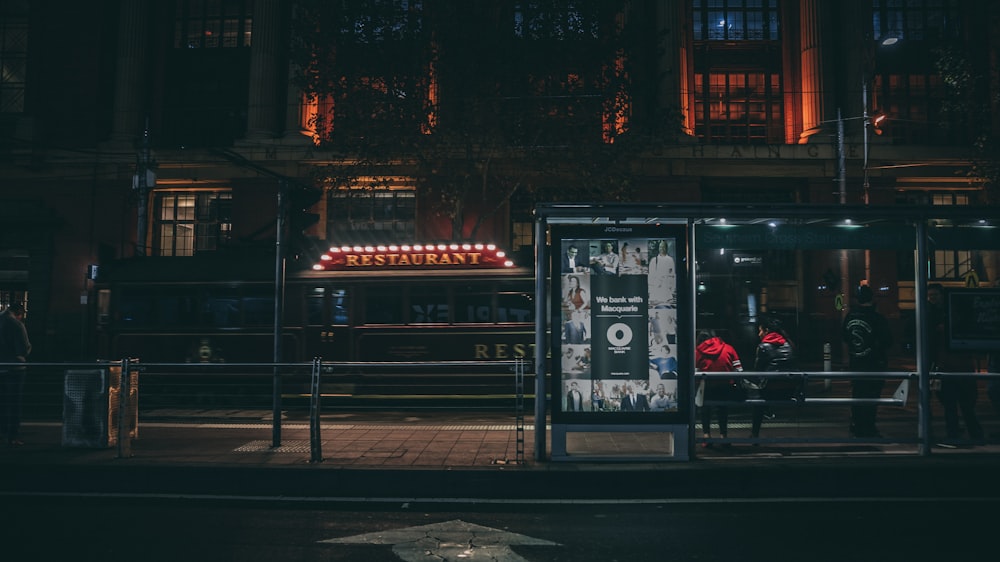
868	123
867	117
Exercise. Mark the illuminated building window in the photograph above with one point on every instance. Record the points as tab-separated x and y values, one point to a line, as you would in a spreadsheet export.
949	264
908	86
567	98
390	213
738	107
13	55
523	235
213	24
191	222
735	20
367	83
916	20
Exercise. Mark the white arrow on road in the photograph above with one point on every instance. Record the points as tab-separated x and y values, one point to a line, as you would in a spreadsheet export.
453	540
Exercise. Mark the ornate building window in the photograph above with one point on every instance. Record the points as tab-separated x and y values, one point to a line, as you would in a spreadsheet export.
736	20
213	24
738	107
738	94
908	85
916	20
583	91
946	265
192	222
385	215
13	55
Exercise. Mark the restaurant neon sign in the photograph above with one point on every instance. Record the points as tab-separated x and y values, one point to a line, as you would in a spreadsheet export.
410	256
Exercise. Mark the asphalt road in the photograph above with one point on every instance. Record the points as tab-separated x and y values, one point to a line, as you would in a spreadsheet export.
158	528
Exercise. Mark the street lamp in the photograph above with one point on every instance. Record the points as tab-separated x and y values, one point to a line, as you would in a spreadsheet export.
870	121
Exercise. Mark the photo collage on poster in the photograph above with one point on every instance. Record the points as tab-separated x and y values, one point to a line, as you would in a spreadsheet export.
618	331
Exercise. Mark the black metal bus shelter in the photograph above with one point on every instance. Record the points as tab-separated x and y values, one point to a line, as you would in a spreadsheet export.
622	289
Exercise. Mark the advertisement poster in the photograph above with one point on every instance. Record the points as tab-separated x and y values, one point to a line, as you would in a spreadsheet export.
617	324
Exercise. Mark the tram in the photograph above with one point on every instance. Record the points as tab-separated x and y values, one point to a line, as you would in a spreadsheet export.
409	304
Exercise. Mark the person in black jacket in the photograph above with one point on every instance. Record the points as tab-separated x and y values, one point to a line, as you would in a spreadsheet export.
867	335
14	348
774	353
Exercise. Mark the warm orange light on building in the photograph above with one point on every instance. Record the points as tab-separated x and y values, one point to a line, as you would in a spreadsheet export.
617	111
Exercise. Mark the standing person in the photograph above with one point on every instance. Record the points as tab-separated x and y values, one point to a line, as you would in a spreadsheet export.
597	397
867	335
14	348
955	393
712	354
633	402
576	328
774	353
662	276
574	398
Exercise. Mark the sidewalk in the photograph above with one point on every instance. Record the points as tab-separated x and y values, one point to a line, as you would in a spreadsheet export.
458	455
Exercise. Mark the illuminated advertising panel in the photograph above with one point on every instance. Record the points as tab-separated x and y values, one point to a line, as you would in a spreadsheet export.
614	323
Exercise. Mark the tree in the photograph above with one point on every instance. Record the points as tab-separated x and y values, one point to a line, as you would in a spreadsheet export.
480	102
967	105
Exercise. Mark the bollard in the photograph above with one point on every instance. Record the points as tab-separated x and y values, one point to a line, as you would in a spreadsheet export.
827	363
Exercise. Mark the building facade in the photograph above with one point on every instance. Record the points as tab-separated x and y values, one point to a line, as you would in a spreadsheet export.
161	132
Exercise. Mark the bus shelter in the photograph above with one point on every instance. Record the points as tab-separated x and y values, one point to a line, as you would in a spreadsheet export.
624	289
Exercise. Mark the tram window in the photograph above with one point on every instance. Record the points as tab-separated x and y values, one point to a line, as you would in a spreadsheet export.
515	307
221	311
473	305
383	306
154	308
135	310
314	306
258	311
172	309
429	305
338	306
316	300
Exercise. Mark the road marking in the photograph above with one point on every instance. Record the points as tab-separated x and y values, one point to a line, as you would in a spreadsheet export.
451	540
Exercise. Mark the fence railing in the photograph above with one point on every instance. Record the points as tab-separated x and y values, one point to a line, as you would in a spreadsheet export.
809	390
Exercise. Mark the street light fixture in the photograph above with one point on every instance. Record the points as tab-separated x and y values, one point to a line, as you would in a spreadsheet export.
870	122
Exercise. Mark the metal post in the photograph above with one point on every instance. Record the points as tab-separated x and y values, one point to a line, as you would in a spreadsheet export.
141	183
519	410
541	325
687	325
867	125
315	441
845	276
124	429
923	343
279	301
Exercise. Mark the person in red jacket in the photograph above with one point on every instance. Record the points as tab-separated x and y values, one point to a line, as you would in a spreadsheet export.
714	354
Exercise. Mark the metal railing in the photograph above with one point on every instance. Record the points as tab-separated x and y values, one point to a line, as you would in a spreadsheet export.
809	392
801	394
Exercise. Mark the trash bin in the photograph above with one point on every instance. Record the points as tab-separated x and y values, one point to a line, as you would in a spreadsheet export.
91	400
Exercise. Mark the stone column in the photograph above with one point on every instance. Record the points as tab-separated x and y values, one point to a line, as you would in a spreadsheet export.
674	92
296	131
265	56
131	89
811	68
